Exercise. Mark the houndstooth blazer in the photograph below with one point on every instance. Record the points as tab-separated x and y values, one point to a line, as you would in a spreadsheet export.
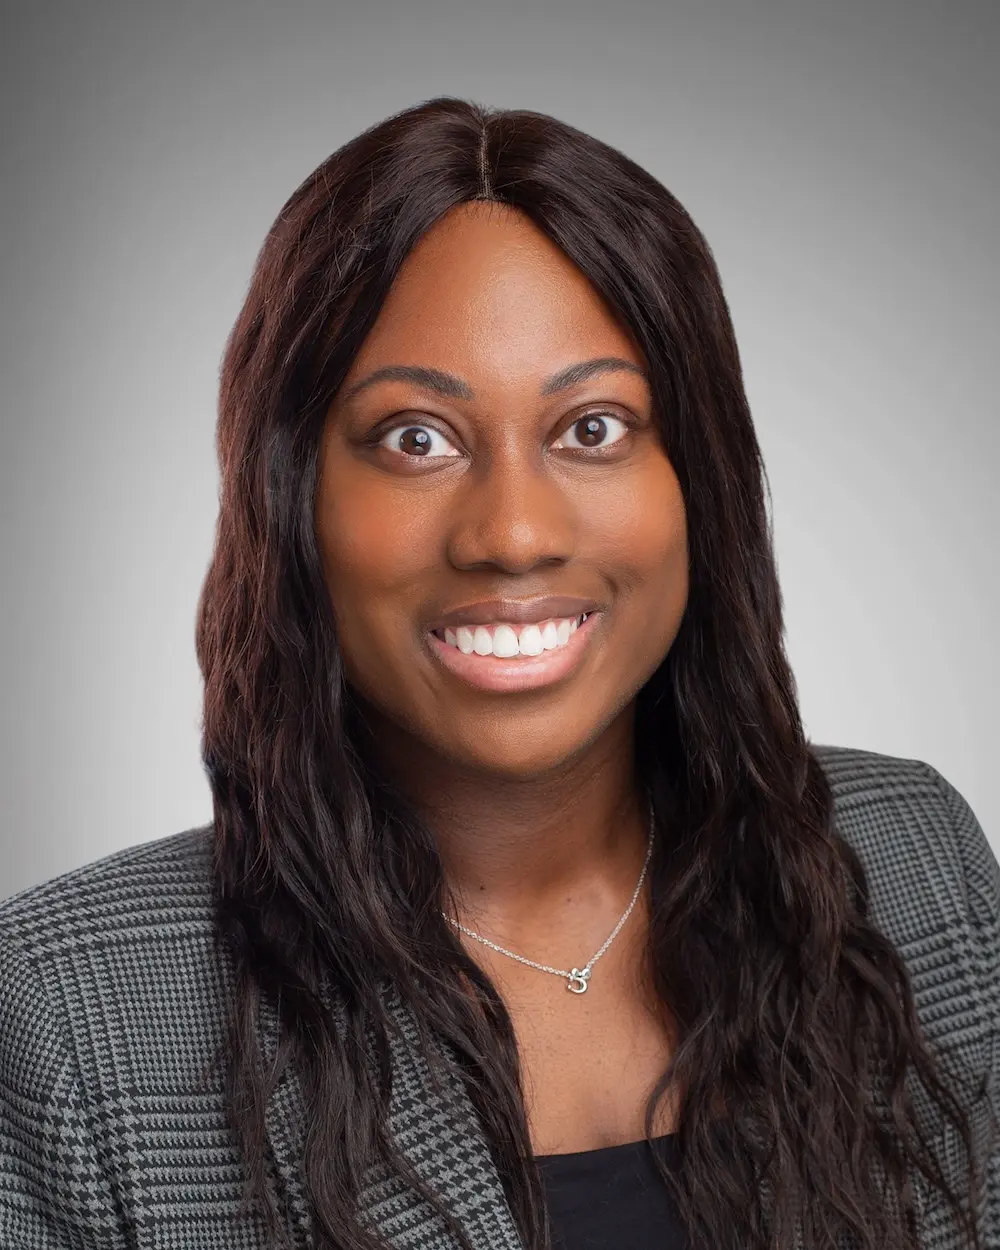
112	998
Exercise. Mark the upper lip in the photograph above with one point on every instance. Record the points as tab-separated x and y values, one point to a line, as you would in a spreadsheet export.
516	611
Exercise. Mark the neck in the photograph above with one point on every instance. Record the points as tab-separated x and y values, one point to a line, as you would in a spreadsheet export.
515	849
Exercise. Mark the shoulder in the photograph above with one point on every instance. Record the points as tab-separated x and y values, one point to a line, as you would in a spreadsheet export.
929	864
115	962
113	998
162	885
934	891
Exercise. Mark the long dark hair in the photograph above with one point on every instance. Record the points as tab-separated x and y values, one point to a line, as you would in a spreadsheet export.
792	1008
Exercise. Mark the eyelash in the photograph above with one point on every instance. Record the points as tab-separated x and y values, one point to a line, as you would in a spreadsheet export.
376	439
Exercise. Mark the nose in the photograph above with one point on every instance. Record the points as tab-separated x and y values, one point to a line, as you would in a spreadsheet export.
512	516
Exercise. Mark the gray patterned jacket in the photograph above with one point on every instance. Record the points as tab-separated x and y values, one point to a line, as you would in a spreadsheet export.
111	1001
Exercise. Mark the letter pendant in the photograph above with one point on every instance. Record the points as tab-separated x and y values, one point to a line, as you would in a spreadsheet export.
578	979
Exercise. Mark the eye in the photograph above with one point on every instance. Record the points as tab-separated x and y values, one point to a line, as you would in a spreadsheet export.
417	441
594	431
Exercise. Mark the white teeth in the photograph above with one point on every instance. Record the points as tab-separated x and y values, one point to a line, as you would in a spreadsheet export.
530	641
505	643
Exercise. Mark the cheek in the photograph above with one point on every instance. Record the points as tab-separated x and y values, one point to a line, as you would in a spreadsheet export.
645	548
358	546
667	554
641	535
366	539
375	556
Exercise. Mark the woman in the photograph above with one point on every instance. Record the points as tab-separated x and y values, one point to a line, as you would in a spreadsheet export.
527	915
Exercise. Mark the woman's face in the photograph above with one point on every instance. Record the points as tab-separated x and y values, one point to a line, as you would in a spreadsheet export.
486	476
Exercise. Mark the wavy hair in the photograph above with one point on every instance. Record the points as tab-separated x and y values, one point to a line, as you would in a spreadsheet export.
793	1010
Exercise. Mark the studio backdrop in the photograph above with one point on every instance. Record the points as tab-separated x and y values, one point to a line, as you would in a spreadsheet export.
841	159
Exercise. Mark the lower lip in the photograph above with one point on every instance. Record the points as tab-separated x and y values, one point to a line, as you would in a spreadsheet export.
520	672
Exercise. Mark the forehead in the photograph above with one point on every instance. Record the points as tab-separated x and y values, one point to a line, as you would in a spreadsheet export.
486	292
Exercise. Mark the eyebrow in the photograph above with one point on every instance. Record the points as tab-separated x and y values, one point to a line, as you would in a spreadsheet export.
449	386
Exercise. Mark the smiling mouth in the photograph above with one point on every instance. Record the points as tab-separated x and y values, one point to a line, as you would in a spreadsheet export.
506	642
515	672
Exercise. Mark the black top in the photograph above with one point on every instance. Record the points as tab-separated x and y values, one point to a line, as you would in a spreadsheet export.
611	1199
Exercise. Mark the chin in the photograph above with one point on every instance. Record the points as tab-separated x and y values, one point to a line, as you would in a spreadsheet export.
529	760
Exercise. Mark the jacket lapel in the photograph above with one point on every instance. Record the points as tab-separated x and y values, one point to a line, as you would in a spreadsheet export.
436	1130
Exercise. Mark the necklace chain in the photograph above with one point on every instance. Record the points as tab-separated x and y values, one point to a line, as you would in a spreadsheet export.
577	978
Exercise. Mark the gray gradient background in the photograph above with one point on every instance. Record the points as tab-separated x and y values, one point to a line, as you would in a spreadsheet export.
842	161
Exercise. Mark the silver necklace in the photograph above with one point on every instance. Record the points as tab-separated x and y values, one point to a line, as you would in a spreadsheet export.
577	978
